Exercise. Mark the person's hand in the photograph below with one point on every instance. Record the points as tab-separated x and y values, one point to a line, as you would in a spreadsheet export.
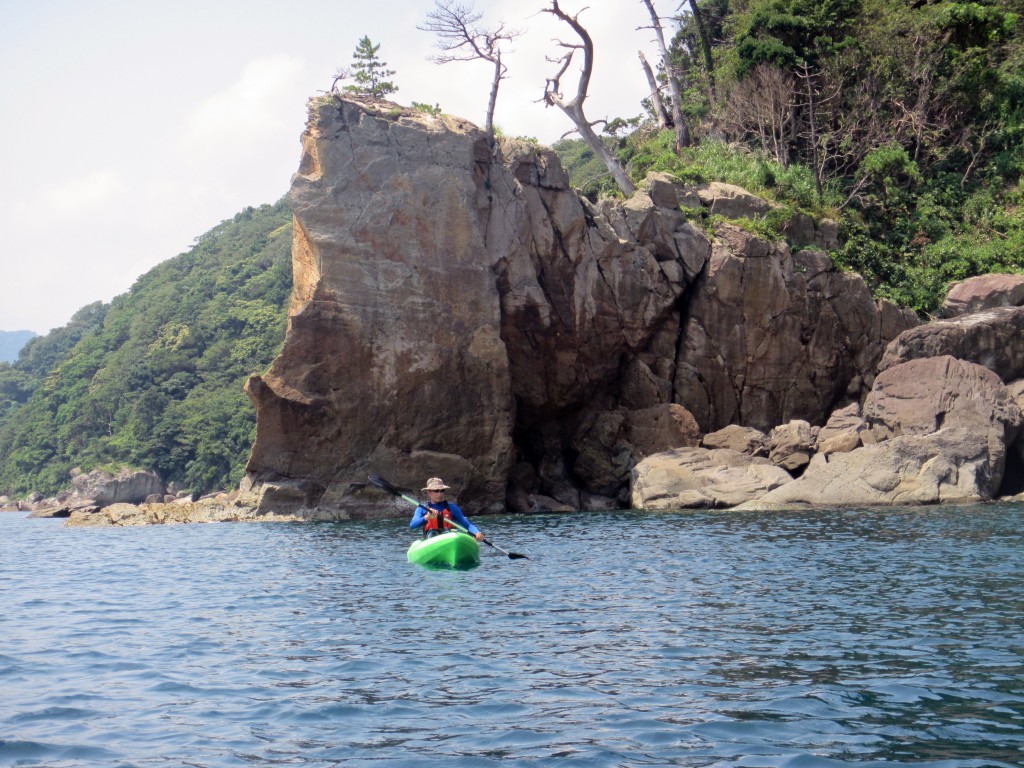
431	515
479	536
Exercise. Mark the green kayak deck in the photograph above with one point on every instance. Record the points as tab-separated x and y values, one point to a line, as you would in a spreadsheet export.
450	550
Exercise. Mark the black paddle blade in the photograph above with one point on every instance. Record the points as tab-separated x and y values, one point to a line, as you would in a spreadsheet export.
517	556
384	485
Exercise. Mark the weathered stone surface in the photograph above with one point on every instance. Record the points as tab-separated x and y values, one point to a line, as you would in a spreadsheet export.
442	286
983	292
790	445
993	338
127	486
737	438
393	361
731	201
123	515
772	336
456	305
920	397
93	490
841	434
610	443
662	189
949	466
688	478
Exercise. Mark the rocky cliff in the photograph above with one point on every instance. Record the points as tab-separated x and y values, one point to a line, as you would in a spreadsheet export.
459	311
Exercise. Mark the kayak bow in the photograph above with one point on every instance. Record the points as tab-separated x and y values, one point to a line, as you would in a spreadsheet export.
452	550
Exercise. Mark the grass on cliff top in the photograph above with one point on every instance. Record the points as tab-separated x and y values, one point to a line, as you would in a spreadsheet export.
645	151
911	234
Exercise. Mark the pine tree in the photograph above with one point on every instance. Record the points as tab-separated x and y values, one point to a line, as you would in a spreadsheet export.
370	73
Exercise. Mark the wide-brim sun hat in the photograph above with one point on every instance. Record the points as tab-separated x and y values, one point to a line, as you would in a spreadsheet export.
436	484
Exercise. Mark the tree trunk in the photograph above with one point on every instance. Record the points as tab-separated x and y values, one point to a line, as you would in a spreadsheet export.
682	130
601	150
705	44
574	107
493	99
659	105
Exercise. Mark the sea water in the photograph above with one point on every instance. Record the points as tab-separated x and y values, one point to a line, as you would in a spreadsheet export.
867	637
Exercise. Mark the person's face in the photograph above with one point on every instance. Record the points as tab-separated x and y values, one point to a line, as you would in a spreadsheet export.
435	495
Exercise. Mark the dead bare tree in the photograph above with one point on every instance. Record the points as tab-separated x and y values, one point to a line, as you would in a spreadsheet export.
681	128
657	103
761	105
573	108
460	39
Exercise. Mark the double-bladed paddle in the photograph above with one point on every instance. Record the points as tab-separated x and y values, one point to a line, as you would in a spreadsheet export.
384	485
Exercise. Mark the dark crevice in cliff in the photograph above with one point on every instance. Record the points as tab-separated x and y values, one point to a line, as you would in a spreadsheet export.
1013	476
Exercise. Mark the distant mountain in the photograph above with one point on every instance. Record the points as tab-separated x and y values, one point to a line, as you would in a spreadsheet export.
154	379
11	343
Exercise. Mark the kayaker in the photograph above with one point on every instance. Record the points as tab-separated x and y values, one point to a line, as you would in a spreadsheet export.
438	509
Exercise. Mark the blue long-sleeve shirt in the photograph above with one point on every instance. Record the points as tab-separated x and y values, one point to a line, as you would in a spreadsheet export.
419	517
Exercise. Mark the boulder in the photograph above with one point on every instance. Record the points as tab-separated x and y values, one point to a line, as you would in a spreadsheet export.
983	292
604	456
688	478
737	438
993	338
790	445
610	443
951	466
936	431
841	434
126	486
661	188
920	397
731	201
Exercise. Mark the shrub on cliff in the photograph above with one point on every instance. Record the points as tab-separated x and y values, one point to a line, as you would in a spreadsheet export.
155	379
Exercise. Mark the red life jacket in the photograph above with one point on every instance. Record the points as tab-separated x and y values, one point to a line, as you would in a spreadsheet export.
441	522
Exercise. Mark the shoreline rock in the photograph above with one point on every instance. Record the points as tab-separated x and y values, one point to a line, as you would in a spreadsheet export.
177	513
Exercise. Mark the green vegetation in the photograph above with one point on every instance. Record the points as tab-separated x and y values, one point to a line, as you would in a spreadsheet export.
903	121
433	111
155	379
370	73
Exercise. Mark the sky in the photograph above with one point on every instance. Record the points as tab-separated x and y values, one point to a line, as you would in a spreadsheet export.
128	128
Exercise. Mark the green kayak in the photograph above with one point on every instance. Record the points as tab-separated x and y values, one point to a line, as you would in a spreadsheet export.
451	550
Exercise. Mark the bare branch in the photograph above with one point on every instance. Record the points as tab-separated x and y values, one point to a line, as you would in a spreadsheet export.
459	39
574	107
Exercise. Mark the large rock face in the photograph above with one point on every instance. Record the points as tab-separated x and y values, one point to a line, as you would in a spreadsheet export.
393	361
459	311
772	336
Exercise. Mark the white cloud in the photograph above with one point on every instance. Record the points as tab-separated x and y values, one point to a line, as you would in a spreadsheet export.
83	195
240	117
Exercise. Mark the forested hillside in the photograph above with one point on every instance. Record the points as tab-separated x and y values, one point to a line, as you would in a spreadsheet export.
903	120
154	380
